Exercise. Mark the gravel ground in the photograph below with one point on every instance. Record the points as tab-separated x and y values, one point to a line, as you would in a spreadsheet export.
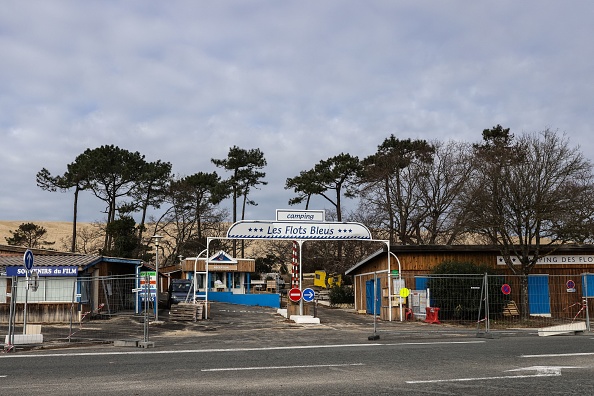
230	324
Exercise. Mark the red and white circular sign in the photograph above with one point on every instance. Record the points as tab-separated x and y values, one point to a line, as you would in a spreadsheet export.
295	294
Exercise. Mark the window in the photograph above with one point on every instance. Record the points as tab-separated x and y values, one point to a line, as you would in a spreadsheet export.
50	290
3	285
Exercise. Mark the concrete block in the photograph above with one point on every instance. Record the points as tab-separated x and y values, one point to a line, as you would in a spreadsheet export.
562	329
282	312
304	319
21	339
125	343
33	329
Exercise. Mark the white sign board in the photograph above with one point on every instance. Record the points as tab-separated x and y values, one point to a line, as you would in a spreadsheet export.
418	301
297	231
554	259
300	215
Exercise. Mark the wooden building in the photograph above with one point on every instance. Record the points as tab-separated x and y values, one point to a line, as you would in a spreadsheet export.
224	278
64	281
410	266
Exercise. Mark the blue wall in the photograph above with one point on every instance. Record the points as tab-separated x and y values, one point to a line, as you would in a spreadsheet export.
261	300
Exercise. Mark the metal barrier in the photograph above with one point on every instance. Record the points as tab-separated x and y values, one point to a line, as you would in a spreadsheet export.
547	304
75	310
108	309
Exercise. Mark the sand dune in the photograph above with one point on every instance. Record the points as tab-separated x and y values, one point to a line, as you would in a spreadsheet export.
57	231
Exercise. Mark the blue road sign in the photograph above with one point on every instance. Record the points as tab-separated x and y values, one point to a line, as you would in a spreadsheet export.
308	294
28	259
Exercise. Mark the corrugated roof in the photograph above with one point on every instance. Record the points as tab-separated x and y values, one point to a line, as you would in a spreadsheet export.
10	250
80	261
49	261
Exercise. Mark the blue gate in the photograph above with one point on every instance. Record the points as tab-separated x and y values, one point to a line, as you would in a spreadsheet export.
539	299
369	293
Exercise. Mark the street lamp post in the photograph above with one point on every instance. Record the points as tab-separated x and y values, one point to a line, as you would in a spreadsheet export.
157	238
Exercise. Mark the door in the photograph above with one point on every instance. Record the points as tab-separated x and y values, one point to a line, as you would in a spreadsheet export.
539	301
369	294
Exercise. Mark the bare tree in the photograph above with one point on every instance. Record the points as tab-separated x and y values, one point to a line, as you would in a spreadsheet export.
441	186
528	196
391	183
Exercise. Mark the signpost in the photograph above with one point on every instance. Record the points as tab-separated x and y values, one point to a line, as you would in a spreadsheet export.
295	294
148	289
308	294
28	260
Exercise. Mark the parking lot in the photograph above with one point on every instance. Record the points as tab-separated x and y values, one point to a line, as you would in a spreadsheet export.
248	326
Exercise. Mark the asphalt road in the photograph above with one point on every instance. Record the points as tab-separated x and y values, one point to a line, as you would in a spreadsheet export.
265	355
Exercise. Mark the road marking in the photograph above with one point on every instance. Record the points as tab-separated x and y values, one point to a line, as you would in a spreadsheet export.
546	369
283	348
559	354
283	367
541	371
486	378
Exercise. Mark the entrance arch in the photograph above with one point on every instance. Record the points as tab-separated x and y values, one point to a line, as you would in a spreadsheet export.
302	231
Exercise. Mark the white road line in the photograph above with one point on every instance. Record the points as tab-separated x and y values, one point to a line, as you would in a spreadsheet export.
541	371
167	352
435	343
283	367
559	354
555	374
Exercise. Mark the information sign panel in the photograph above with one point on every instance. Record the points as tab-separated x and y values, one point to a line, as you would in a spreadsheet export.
28	259
308	294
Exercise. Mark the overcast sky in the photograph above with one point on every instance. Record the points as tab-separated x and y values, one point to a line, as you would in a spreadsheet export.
182	81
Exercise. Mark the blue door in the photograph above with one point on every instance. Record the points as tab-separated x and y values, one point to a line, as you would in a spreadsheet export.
588	285
539	301
369	293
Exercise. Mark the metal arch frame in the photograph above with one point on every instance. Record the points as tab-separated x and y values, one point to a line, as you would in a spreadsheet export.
194	277
300	243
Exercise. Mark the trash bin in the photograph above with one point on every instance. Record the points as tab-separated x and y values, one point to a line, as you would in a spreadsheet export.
432	315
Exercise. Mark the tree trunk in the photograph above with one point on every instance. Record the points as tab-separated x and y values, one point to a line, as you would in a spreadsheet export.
524	308
74	217
390	211
234	219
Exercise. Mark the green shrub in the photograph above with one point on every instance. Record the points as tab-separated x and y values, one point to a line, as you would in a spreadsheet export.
457	289
341	295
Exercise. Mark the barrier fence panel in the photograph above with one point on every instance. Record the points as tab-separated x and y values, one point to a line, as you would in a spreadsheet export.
106	309
547	304
70	310
553	304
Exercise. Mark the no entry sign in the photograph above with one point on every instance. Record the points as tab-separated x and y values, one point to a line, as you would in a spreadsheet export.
295	294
